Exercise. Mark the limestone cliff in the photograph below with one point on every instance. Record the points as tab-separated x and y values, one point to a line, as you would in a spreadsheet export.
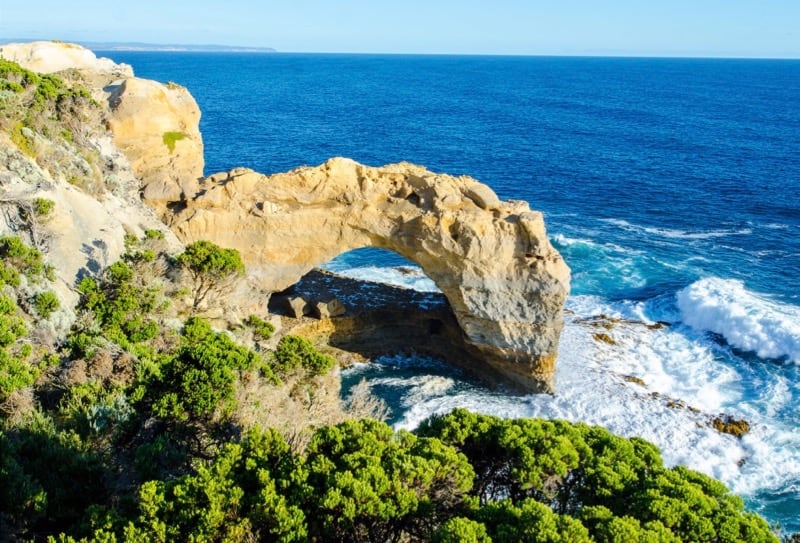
505	282
156	125
67	156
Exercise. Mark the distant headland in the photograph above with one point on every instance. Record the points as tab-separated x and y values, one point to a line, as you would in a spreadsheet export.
170	47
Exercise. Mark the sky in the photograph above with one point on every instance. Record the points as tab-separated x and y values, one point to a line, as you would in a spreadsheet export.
708	28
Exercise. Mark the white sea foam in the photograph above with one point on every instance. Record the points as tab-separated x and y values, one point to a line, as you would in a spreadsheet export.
688	379
406	276
686	384
675	233
566	241
746	320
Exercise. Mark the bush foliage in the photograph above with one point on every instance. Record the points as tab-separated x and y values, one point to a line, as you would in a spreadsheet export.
211	268
135	438
361	481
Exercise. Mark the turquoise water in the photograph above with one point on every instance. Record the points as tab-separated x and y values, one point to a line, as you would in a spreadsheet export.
669	185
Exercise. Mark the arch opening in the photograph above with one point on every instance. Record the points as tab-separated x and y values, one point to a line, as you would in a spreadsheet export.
390	307
381	266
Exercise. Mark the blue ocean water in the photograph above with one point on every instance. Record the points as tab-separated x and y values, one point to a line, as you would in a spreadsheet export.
671	187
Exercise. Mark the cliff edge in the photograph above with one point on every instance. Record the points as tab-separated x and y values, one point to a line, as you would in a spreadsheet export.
504	281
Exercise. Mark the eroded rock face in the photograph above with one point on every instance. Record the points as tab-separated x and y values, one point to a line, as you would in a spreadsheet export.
157	126
504	281
492	260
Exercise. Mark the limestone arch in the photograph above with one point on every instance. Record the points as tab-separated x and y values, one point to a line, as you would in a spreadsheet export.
504	281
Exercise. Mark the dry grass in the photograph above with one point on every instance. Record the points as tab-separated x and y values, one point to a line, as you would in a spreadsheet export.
18	407
301	405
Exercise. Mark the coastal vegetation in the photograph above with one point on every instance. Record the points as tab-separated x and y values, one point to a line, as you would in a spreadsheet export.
131	433
138	423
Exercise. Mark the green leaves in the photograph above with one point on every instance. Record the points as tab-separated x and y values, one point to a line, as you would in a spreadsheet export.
558	478
19	258
295	352
239	496
262	330
211	268
45	303
199	380
367	482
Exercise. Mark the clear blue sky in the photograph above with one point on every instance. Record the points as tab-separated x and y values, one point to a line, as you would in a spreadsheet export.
739	28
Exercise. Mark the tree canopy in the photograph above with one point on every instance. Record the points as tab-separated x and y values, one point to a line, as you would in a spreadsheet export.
134	437
211	267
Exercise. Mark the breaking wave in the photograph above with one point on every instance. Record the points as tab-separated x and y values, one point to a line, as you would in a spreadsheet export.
748	321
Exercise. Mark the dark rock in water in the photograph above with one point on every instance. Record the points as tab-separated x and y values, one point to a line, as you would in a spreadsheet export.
726	424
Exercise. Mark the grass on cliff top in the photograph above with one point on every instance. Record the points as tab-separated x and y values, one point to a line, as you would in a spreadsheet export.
54	120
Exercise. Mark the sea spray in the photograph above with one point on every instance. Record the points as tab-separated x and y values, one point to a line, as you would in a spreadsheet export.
747	321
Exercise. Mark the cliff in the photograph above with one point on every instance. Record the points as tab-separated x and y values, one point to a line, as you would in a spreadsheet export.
505	283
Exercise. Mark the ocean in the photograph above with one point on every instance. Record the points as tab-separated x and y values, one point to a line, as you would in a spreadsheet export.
670	186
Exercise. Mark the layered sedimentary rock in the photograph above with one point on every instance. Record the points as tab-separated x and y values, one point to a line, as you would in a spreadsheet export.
492	260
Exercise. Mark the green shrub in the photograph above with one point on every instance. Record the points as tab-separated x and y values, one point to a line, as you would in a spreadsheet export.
23	258
262	329
461	530
199	380
122	305
365	478
153	234
538	476
212	268
45	303
295	352
43	207
239	496
23	142
14	77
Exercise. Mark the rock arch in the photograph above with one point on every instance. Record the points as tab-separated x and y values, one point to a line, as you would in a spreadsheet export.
504	281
